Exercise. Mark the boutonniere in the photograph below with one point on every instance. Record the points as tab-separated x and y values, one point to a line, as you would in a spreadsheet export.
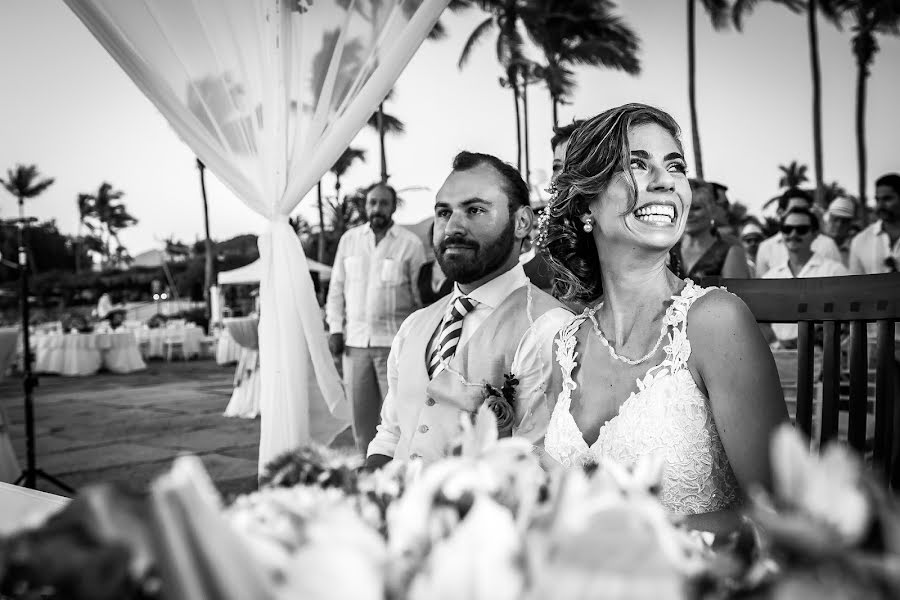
502	402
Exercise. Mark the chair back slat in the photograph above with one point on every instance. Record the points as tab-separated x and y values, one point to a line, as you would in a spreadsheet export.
830	301
805	338
831	381
884	394
859	386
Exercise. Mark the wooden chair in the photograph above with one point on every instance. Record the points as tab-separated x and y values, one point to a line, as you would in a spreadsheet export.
831	301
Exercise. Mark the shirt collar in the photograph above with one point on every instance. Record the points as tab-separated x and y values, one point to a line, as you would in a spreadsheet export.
814	261
495	291
391	231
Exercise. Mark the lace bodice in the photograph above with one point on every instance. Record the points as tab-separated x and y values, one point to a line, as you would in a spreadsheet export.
667	413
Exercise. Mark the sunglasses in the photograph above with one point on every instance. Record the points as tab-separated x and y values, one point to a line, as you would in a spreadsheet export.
800	229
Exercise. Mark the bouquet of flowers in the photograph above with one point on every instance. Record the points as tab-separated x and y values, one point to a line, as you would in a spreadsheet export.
490	522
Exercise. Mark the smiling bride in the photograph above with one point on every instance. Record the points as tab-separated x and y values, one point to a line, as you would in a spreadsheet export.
655	364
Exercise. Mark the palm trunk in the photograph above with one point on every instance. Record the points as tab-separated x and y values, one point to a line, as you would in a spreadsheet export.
513	78
207	244
692	92
320	253
812	26
555	111
384	173
78	247
525	127
862	73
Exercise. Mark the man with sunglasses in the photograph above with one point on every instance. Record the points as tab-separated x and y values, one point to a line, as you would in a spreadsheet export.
799	227
773	252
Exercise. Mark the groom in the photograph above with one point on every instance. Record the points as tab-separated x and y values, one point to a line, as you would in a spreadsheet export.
493	323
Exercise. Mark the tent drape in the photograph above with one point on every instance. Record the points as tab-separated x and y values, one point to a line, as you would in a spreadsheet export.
267	94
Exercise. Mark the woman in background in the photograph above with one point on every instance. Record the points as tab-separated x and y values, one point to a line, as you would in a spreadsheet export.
703	251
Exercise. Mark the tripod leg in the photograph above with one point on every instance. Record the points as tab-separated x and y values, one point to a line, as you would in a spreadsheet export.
43	474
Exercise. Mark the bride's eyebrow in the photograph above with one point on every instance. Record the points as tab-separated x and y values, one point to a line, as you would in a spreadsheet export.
667	157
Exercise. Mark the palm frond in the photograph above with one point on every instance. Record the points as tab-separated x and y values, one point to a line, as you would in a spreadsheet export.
483	28
391	123
718	12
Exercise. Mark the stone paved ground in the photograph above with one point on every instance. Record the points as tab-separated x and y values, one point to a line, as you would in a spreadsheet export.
128	428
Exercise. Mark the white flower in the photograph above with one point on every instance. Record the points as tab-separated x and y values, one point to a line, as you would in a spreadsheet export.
826	487
479	560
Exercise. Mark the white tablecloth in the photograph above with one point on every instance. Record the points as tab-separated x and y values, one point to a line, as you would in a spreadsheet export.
244	401
227	350
85	353
21	507
155	343
9	465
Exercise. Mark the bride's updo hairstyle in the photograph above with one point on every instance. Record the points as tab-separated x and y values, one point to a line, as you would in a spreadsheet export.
598	151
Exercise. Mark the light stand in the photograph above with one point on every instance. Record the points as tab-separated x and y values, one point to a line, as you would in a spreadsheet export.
32	472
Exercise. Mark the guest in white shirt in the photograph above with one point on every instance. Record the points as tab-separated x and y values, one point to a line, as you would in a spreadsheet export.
373	289
876	249
772	252
752	236
494	323
799	227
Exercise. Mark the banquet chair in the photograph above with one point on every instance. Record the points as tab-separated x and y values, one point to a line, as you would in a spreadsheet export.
831	302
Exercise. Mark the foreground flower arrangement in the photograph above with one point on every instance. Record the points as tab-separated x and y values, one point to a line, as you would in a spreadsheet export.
491	522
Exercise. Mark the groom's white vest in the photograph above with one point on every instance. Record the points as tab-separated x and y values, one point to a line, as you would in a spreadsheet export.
484	358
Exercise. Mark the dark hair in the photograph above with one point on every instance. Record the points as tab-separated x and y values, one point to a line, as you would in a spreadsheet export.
813	219
598	152
891	180
564	132
379	184
513	184
791	193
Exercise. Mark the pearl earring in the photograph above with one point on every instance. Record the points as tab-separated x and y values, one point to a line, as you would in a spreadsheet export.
588	223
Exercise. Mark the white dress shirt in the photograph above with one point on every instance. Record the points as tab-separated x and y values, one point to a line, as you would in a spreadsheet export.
870	249
773	253
373	286
532	363
816	266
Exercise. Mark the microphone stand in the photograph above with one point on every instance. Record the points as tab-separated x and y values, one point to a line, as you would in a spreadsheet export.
32	472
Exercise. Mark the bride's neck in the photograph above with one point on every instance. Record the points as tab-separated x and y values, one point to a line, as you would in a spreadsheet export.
634	291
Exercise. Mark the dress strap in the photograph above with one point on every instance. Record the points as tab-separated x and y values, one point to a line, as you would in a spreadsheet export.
678	350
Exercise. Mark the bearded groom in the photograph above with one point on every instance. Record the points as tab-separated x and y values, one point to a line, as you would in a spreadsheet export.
494	323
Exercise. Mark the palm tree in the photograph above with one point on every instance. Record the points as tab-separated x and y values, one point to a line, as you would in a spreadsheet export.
343	163
384	123
870	17
504	16
24	182
578	32
718	14
109	214
813	7
792	175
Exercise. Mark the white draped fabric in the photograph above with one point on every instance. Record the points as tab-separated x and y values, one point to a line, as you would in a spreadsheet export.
268	93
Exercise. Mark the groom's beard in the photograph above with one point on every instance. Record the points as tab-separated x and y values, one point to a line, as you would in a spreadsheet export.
467	267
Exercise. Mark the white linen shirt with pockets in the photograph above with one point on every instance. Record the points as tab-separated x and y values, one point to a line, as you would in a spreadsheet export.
373	287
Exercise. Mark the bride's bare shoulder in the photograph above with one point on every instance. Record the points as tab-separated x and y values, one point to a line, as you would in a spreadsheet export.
719	315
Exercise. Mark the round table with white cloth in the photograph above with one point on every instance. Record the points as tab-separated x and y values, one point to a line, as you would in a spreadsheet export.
85	353
244	401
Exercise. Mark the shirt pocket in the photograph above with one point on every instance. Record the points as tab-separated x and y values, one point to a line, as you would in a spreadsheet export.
391	272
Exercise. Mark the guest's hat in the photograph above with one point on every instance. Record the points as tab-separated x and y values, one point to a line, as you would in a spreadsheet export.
842	207
751	230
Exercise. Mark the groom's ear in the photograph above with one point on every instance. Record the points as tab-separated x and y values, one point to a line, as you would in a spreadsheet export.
523	220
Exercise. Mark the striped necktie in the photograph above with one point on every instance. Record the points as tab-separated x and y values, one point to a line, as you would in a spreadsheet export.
445	343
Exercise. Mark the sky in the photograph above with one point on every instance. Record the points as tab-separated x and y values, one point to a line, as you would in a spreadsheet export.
67	107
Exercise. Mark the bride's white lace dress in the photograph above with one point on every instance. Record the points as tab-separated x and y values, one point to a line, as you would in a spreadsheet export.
667	413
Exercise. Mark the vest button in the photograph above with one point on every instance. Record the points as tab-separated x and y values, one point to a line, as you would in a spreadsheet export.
429	402
423	428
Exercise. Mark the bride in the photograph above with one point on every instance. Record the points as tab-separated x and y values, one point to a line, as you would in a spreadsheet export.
654	363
